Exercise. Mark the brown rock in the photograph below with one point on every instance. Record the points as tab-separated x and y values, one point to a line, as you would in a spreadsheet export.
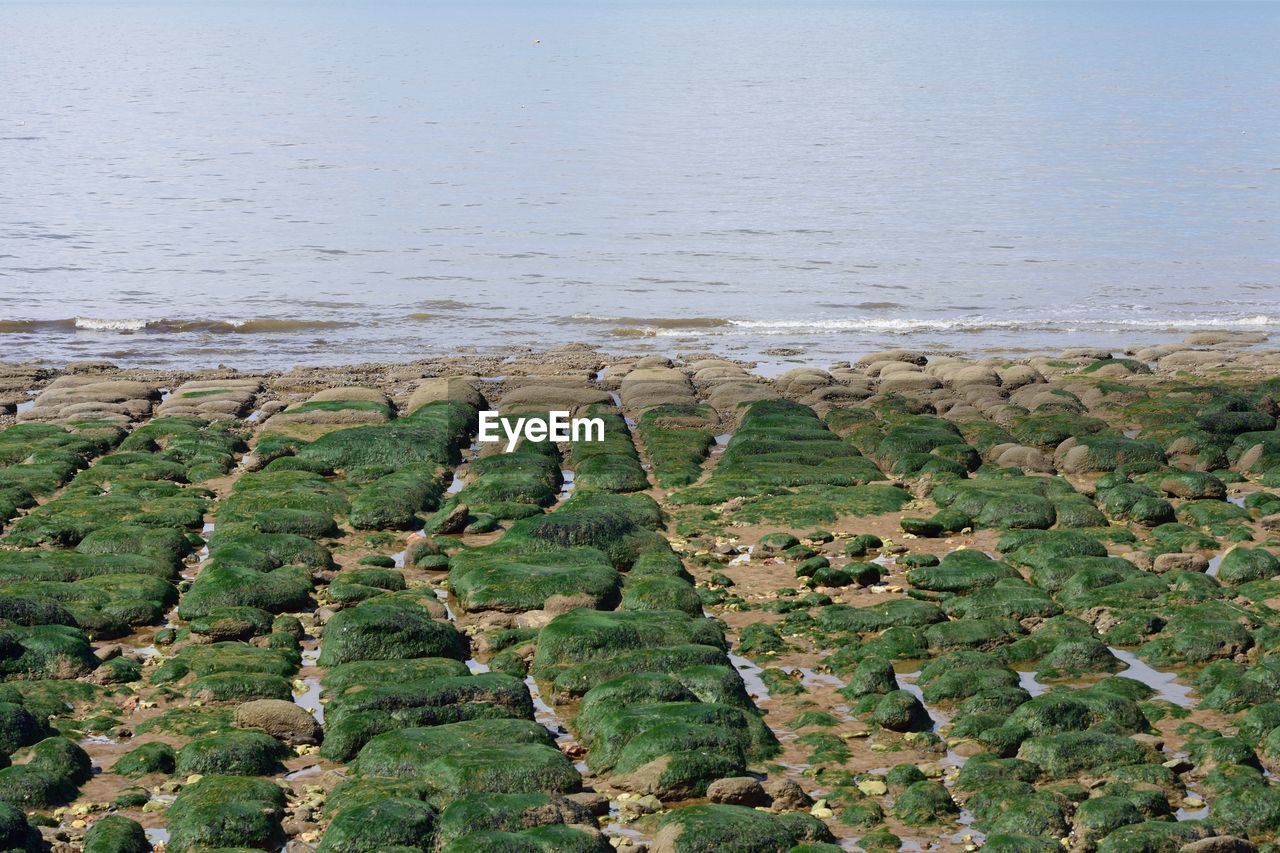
1180	563
787	795
282	720
737	791
454	521
1220	844
596	804
106	653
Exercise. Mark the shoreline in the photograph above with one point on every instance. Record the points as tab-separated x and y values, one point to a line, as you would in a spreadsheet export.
273	345
21	381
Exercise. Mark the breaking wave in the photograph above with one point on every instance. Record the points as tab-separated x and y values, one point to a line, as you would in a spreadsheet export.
129	325
910	325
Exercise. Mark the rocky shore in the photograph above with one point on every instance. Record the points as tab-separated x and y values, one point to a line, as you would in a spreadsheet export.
905	601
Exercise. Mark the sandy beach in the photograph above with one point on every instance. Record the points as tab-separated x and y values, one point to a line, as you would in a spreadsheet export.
901	601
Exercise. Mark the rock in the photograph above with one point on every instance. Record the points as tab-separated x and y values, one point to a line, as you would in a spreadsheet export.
787	795
909	356
1029	459
453	388
975	374
1180	563
1141	559
106	653
908	383
738	791
1214	338
873	787
901	711
1220	844
924	802
1242	565
282	720
1018	375
454	521
597	804
1270	522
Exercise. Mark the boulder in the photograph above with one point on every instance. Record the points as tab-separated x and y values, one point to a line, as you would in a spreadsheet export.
282	720
738	791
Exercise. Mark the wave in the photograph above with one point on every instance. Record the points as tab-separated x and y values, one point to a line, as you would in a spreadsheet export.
650	322
134	325
909	325
20	327
663	327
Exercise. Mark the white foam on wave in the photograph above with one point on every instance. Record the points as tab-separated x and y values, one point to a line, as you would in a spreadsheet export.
168	326
95	324
911	325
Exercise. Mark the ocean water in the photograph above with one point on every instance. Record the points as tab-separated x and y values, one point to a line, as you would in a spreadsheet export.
264	184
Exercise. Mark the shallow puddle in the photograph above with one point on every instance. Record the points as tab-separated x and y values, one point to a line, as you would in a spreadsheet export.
302	773
205	533
546	715
1027	681
568	478
809	678
309	698
1214	564
1164	683
750	677
443	596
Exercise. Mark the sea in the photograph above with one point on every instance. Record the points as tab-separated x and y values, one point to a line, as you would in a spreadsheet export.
264	184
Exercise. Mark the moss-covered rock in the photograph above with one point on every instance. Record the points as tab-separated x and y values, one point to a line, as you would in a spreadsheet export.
116	834
45	651
153	757
233	753
925	802
704	829
227	811
220	585
15	832
51	776
1065	754
507	577
1244	565
393	823
902	612
385	629
901	711
508	813
962	572
674	749
338	679
480	756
